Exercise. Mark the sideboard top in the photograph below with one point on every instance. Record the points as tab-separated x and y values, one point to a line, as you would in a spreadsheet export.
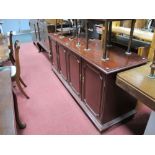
118	60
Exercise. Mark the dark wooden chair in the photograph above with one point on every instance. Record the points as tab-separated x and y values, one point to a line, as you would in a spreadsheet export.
17	77
11	48
11	55
15	68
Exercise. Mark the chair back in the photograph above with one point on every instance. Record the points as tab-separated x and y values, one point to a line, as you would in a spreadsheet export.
17	61
11	55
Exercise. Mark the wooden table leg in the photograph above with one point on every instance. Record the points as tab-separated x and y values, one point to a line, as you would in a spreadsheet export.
20	124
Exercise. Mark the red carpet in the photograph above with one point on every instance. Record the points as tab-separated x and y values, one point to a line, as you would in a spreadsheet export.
52	110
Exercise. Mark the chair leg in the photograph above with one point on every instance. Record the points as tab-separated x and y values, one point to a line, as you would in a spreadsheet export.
12	59
20	124
21	89
22	82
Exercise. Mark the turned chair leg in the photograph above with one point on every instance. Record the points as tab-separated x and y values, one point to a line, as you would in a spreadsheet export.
20	124
21	89
22	82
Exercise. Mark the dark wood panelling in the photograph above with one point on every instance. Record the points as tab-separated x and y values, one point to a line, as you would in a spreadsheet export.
62	61
92	88
54	54
116	101
74	68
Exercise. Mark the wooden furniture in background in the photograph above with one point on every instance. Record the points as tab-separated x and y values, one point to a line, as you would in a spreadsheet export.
8	106
140	23
91	81
40	34
143	35
42	28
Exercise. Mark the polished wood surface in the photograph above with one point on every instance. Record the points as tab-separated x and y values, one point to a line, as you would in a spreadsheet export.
137	83
7	115
118	60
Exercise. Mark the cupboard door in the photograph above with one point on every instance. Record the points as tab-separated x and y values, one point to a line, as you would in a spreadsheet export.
54	54
46	43
74	68
62	61
92	88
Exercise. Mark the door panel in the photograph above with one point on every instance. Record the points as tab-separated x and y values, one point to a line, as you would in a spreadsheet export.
62	61
92	91
54	54
74	64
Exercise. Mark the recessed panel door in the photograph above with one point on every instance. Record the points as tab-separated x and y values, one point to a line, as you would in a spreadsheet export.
54	54
74	68
92	88
62	61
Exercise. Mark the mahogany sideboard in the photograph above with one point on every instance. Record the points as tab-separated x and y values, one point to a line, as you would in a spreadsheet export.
91	81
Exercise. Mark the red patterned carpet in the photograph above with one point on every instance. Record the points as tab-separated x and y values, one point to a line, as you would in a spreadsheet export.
52	110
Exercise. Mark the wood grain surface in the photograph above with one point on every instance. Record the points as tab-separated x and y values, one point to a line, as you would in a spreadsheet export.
118	60
137	83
